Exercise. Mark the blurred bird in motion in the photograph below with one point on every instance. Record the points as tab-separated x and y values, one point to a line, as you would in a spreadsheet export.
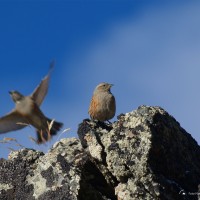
102	105
27	112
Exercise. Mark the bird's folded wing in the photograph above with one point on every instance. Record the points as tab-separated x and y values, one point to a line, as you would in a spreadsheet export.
41	90
93	106
11	122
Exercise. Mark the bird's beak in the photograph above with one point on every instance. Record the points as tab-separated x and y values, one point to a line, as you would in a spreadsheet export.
111	85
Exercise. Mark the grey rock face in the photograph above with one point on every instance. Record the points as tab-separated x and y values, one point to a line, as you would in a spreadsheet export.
29	174
145	154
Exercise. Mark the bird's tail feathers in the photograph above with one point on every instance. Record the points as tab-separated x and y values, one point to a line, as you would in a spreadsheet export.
53	128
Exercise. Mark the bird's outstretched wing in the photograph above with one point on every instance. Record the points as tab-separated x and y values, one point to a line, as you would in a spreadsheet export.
11	122
41	90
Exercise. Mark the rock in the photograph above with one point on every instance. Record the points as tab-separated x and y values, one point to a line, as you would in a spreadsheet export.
29	174
145	154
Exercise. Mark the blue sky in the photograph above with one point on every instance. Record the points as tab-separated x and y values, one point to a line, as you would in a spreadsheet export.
149	50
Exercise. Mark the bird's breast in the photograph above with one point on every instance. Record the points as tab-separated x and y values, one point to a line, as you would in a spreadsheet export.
25	107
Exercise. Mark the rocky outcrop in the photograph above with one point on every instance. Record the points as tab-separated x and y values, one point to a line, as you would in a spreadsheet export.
145	154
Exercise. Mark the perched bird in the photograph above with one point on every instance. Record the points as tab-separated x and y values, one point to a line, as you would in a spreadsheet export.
102	106
27	112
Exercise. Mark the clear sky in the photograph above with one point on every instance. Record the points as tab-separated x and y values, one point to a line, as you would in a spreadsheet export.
149	50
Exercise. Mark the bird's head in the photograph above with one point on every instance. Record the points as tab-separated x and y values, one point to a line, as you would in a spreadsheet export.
16	96
104	87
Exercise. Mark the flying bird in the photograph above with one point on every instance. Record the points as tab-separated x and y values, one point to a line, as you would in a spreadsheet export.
102	106
27	112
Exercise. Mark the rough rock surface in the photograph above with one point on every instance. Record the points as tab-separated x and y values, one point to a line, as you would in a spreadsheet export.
145	154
